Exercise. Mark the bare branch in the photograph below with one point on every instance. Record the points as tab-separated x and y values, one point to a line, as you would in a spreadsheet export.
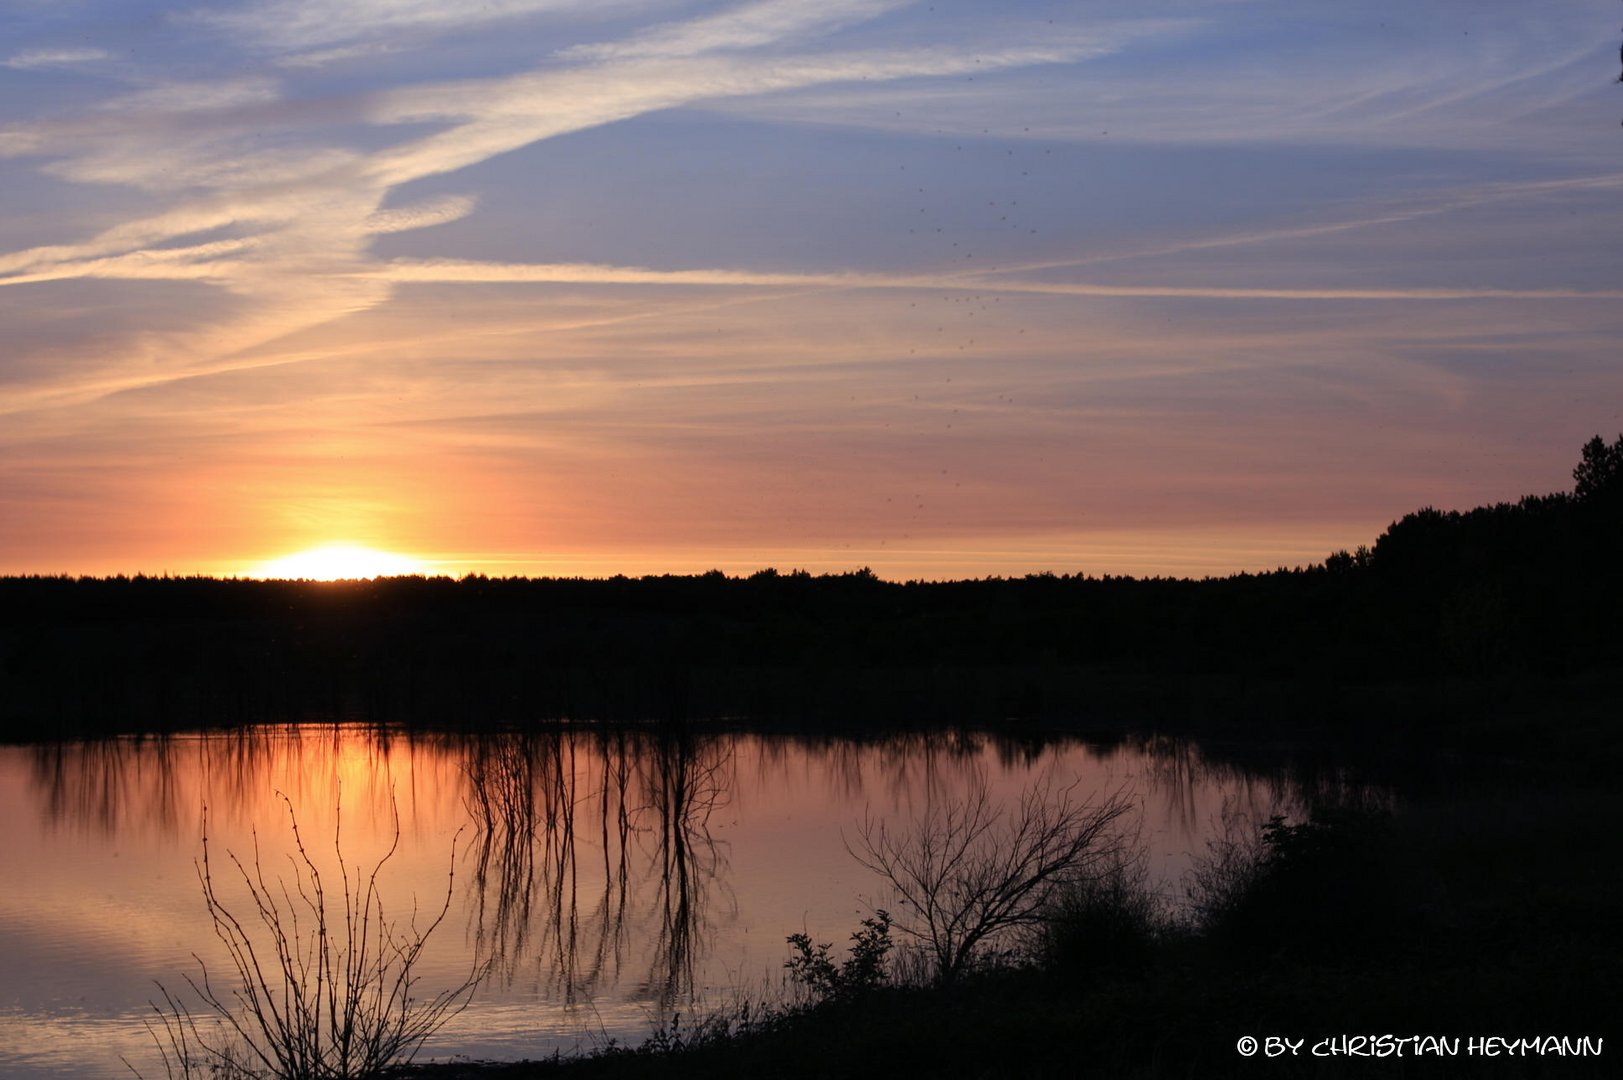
968	872
336	1002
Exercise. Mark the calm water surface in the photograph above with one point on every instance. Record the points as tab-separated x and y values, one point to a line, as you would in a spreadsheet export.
612	876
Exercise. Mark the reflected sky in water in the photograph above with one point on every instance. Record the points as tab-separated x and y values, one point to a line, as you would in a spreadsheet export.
610	876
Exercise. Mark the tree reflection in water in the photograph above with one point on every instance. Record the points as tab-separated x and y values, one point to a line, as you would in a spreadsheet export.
149	783
686	780
644	801
591	846
596	876
501	802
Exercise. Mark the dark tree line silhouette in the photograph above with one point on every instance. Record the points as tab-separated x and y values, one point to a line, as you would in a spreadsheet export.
1524	592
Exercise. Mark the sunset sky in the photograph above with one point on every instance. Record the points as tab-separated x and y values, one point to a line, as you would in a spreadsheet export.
941	288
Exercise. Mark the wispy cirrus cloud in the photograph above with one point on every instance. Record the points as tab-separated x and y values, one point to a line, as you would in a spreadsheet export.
301	24
502	115
423	215
769	22
222	263
305	210
202	96
277	188
1389	211
438	271
315	58
1406	78
300	207
44	58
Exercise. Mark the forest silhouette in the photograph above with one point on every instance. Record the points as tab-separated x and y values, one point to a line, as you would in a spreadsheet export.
1445	613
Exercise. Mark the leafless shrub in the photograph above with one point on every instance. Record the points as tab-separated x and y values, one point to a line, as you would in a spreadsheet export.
1107	918
1235	859
323	988
969	872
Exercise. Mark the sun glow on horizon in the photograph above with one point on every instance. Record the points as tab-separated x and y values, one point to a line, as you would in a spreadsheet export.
338	562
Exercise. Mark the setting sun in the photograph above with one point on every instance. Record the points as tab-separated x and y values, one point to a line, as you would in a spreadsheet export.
338	562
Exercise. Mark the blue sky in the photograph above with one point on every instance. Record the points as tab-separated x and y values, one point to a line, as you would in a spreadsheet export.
945	289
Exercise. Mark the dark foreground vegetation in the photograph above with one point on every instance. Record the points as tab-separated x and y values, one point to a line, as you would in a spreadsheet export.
1447	616
1458	923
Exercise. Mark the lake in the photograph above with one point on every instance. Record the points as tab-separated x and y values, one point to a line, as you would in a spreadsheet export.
610	876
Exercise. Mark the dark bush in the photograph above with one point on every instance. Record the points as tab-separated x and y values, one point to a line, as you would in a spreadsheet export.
1104	922
1334	884
862	971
